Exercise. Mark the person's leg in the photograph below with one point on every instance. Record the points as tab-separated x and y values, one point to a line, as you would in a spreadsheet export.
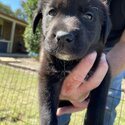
64	119
113	100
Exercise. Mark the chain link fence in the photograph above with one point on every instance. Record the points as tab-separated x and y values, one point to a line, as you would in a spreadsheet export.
19	98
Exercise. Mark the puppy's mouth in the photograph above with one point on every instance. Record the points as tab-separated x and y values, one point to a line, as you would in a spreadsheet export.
64	56
67	56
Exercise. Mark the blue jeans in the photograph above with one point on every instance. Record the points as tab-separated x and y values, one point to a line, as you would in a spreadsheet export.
114	96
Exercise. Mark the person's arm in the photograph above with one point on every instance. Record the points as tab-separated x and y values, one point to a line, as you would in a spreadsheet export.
116	56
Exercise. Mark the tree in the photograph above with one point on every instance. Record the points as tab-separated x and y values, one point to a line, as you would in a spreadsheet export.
6	9
32	41
20	14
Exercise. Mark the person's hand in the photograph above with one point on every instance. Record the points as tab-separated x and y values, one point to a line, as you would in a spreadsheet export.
75	89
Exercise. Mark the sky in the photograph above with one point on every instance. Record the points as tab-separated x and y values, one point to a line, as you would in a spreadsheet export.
14	4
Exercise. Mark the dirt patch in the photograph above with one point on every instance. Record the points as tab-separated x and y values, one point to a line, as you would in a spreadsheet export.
24	63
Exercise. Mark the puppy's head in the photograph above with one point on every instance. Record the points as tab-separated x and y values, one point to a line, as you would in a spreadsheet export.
72	28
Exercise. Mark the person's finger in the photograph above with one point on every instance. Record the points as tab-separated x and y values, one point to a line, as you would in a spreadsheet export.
79	73
71	109
96	79
80	103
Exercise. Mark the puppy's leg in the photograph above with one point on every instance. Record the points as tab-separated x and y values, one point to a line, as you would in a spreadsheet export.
96	109
49	90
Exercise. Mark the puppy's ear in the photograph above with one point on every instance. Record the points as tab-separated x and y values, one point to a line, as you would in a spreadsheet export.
106	27
36	20
38	16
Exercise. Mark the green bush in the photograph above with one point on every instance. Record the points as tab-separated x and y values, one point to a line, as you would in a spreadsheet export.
32	41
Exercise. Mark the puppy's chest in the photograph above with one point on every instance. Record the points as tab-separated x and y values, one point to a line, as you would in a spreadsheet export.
60	70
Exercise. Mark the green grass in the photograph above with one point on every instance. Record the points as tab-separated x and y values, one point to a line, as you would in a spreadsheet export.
120	119
18	97
19	100
77	118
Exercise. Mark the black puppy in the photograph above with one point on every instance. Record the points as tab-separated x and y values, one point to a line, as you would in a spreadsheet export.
71	30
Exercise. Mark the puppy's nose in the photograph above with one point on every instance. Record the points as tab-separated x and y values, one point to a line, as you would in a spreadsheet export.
64	37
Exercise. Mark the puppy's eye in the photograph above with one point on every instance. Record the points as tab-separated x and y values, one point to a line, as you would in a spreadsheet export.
88	16
52	12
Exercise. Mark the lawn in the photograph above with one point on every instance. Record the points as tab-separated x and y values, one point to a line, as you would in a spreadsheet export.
19	102
18	97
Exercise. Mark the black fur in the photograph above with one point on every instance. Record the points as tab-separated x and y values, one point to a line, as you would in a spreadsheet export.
71	30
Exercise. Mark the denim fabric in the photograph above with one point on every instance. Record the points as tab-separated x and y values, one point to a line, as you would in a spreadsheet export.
113	100
114	96
64	119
